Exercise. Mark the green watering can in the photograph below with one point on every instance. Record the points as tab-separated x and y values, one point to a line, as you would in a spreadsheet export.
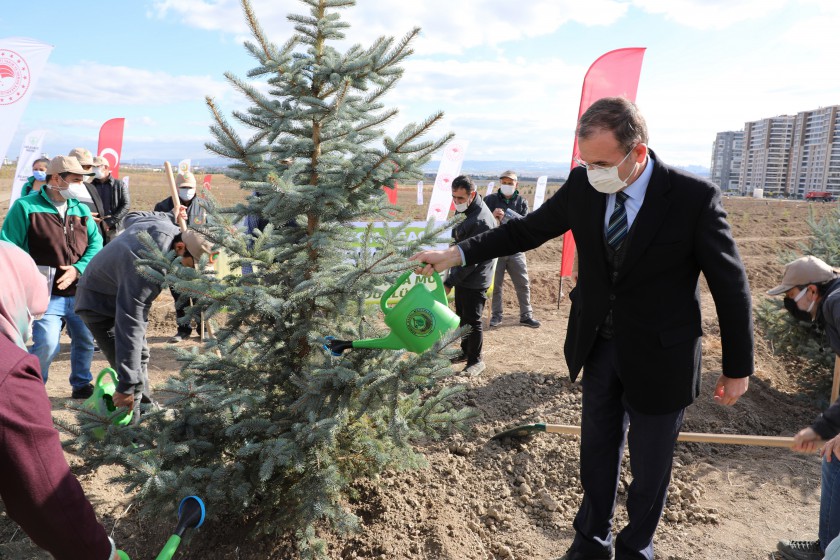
417	321
102	401
190	516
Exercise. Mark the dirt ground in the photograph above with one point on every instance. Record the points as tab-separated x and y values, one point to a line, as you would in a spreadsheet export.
489	500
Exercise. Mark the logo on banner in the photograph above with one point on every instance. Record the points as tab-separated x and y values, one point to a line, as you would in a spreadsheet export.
455	152
114	156
14	77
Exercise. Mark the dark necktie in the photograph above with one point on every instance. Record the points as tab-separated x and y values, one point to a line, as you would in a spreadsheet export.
617	227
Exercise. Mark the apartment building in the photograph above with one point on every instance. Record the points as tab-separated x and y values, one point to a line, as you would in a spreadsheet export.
766	153
784	155
814	162
727	156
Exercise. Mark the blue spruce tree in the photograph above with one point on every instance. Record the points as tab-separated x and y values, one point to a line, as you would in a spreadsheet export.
273	427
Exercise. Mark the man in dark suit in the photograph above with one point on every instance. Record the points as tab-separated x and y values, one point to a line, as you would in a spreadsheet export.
644	232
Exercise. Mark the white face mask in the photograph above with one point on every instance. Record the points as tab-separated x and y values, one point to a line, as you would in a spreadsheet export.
463	207
67	193
507	190
606	179
99	173
186	193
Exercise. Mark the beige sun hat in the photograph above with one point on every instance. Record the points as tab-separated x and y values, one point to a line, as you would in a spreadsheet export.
802	272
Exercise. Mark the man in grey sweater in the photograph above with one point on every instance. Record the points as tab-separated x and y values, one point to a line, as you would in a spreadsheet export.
112	288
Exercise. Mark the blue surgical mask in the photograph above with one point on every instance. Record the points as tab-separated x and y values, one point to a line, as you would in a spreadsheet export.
39	175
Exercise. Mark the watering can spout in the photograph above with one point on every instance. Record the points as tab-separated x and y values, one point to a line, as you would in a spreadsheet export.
390	342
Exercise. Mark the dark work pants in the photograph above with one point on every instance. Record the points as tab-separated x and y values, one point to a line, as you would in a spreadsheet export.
606	415
469	306
185	330
102	329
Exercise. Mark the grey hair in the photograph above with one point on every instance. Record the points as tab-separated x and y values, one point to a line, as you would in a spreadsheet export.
620	116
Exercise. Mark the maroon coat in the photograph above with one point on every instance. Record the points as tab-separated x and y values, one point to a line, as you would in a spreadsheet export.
36	485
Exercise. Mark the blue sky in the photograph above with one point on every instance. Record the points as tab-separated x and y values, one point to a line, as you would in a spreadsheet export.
506	74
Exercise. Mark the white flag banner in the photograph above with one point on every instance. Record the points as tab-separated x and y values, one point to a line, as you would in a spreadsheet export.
539	193
21	62
419	193
30	150
450	167
490	186
184	166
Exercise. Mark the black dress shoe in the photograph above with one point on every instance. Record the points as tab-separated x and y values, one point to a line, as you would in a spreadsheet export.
83	392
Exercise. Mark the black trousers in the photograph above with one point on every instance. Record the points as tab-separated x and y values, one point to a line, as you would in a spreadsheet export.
185	330
651	437
102	329
469	306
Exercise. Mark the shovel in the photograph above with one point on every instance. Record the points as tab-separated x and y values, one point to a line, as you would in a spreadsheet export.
695	437
190	516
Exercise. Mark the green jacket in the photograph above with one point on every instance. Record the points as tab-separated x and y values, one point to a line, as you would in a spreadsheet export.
34	225
27	186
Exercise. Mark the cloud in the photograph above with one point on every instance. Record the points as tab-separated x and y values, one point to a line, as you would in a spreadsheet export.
124	86
710	14
448	26
78	123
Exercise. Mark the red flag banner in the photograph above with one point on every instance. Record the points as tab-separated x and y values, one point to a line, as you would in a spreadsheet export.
110	144
392	193
614	74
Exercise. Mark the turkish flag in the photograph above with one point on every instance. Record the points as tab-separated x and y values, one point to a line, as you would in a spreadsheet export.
110	144
392	193
614	74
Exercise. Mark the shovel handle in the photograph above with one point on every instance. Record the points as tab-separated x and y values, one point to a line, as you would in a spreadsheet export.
173	192
696	437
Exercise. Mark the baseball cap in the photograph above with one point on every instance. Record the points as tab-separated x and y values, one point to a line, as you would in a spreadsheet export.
99	160
197	244
66	164
509	174
185	180
803	271
84	156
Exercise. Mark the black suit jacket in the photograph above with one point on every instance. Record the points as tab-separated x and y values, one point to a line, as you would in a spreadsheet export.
680	231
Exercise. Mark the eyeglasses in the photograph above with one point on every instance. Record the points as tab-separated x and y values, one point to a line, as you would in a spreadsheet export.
593	166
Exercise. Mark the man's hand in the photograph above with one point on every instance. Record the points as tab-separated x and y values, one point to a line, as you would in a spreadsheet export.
437	260
123	400
729	389
831	447
498	213
70	275
806	441
447	288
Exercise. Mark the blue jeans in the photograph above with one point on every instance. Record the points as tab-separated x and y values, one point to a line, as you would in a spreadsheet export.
45	337
829	502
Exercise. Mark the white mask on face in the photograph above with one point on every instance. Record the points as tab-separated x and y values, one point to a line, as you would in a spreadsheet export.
606	179
186	193
507	190
99	173
463	207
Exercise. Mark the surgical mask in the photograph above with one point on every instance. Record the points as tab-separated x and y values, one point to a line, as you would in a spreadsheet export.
606	179
507	190
68	193
186	193
463	207
99	173
793	309
39	175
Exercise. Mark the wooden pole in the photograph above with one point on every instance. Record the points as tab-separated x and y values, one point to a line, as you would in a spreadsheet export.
182	223
696	437
835	386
